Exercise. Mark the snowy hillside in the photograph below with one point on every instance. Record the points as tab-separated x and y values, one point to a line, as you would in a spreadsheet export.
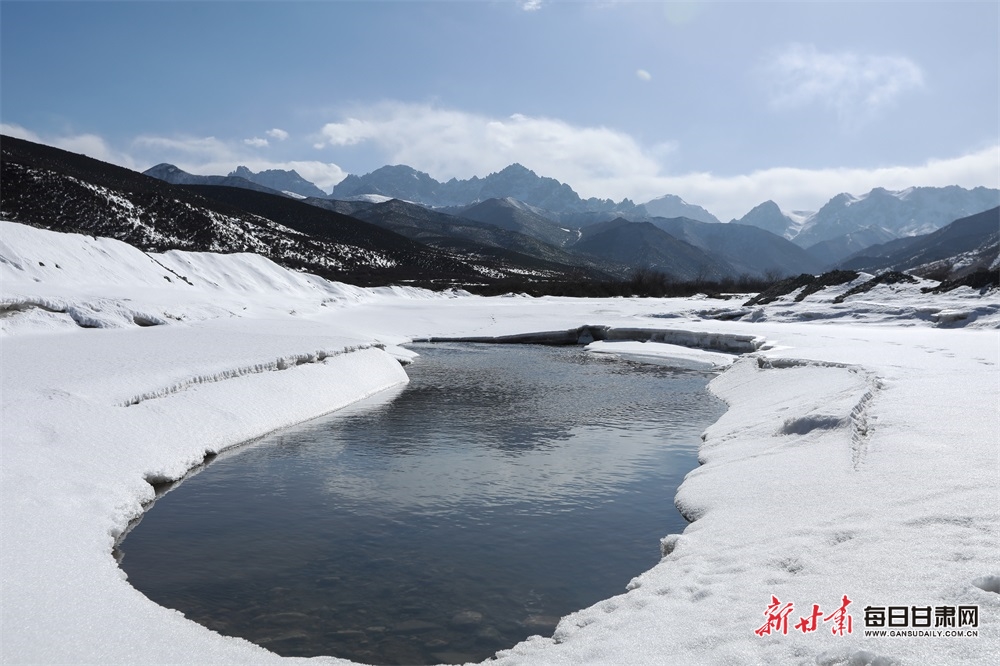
855	468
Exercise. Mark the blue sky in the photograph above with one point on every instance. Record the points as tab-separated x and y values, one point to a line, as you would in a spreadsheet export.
724	104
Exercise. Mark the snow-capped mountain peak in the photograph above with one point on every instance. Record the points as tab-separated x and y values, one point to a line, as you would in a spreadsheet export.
671	205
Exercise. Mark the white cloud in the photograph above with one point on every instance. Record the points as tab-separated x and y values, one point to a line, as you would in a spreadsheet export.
643	75
350	132
531	5
278	134
184	147
449	143
853	85
256	142
90	145
322	174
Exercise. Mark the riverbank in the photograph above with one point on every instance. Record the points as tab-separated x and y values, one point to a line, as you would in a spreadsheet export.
858	457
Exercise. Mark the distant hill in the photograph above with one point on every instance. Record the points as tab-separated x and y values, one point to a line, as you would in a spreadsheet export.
831	252
177	176
289	182
643	245
454	233
509	213
746	249
959	248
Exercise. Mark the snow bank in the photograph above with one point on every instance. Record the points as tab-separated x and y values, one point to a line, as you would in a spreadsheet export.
858	458
821	480
79	456
899	304
673	355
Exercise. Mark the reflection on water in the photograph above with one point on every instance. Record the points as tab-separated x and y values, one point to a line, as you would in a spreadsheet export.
504	487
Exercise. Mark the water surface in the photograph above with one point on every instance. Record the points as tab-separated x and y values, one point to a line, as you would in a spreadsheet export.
504	487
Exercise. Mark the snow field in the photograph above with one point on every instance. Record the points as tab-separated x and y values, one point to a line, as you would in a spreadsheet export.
858	457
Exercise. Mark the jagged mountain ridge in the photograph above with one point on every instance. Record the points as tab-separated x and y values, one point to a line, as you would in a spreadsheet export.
287	181
847	224
177	176
917	210
843	226
522	232
554	229
516	181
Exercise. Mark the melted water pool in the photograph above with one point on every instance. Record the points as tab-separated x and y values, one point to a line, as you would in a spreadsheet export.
504	487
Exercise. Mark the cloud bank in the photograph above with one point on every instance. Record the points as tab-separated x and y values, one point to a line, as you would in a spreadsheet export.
855	86
449	143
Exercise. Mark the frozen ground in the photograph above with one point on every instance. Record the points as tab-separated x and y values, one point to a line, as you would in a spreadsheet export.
858	458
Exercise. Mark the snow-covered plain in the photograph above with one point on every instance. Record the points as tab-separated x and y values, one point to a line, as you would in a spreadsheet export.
858	457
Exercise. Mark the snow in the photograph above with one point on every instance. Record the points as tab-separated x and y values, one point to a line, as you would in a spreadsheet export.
666	354
858	456
799	217
372	198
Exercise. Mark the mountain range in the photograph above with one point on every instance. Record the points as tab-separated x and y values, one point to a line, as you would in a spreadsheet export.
288	182
844	226
514	181
716	251
376	238
848	224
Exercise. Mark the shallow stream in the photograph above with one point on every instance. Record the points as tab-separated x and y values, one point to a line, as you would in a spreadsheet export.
504	487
